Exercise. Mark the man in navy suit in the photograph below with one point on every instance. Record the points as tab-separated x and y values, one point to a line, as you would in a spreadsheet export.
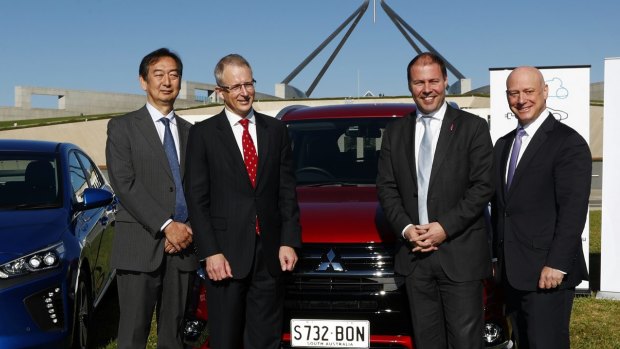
240	187
434	183
542	173
151	251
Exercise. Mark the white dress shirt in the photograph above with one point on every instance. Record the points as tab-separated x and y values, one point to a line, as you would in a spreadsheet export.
436	120
156	115
435	124
237	129
530	130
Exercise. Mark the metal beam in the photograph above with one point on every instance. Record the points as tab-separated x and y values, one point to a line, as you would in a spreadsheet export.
399	22
405	29
357	14
337	50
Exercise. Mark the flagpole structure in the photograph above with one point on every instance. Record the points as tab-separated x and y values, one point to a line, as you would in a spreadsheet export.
285	90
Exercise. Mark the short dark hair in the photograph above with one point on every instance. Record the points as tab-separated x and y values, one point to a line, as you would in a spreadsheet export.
427	58
155	56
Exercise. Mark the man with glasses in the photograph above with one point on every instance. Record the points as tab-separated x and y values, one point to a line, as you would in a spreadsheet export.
242	202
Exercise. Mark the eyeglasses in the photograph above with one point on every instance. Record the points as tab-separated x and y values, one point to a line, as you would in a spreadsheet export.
249	86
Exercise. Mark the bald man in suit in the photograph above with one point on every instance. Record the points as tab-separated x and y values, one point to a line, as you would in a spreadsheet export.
542	173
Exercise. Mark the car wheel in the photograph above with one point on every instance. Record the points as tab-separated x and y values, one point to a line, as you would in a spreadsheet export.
83	316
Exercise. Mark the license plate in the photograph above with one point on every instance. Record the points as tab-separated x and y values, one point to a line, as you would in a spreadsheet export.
330	333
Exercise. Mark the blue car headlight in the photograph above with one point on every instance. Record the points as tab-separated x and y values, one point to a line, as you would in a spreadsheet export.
44	259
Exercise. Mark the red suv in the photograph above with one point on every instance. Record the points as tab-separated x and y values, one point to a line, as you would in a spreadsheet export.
344	292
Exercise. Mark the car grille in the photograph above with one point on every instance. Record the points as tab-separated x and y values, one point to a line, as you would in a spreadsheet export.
368	260
352	278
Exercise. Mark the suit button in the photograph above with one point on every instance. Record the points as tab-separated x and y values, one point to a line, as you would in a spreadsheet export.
171	189
506	214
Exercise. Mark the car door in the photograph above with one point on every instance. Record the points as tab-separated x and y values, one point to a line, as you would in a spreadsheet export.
94	227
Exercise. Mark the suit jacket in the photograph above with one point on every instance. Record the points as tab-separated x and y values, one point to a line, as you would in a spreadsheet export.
459	190
223	205
141	177
539	221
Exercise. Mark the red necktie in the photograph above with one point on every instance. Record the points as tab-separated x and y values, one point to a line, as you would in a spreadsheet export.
249	152
250	157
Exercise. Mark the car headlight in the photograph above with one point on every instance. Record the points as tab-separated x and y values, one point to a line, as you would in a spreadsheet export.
44	259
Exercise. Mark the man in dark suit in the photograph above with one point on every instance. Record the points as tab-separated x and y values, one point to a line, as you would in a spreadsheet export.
434	183
151	250
243	206
542	173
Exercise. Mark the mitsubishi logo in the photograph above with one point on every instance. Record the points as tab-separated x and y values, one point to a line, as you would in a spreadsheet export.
330	262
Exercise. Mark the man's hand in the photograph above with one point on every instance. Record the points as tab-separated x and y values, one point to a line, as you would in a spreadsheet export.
429	237
550	278
168	248
412	234
288	258
178	237
217	267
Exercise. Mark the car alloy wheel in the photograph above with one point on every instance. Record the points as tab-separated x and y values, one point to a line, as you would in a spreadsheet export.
83	316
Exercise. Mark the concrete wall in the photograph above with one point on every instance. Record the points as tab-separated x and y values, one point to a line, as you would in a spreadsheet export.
88	135
79	102
91	135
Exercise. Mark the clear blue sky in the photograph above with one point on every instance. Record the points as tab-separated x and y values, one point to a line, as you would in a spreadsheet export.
97	44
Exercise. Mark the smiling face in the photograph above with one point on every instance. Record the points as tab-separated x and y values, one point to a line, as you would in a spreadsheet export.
526	92
240	101
162	84
427	85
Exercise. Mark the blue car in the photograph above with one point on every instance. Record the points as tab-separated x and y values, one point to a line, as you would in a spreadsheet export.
57	215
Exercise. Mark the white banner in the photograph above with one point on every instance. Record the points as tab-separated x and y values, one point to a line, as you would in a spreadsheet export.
568	101
610	239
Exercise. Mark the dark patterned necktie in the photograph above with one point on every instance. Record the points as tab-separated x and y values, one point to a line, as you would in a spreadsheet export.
180	208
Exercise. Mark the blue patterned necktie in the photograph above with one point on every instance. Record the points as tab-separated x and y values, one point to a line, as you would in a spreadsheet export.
425	163
180	209
514	156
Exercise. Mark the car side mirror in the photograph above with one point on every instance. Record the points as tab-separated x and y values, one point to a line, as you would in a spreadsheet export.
93	198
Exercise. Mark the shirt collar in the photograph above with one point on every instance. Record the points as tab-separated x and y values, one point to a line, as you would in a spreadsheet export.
438	114
532	127
156	114
234	119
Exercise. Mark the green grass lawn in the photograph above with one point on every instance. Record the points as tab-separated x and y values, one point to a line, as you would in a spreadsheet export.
595	323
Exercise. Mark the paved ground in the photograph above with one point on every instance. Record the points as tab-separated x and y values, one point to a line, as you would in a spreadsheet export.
595	199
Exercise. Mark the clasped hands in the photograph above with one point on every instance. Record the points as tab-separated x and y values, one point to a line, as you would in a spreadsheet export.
425	237
178	237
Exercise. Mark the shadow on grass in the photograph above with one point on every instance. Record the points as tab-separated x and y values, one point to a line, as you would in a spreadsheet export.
105	319
595	271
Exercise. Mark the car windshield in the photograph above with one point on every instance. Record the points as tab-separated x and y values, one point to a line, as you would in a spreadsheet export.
28	181
336	151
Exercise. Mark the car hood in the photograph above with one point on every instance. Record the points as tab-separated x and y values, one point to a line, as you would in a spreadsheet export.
342	214
26	231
